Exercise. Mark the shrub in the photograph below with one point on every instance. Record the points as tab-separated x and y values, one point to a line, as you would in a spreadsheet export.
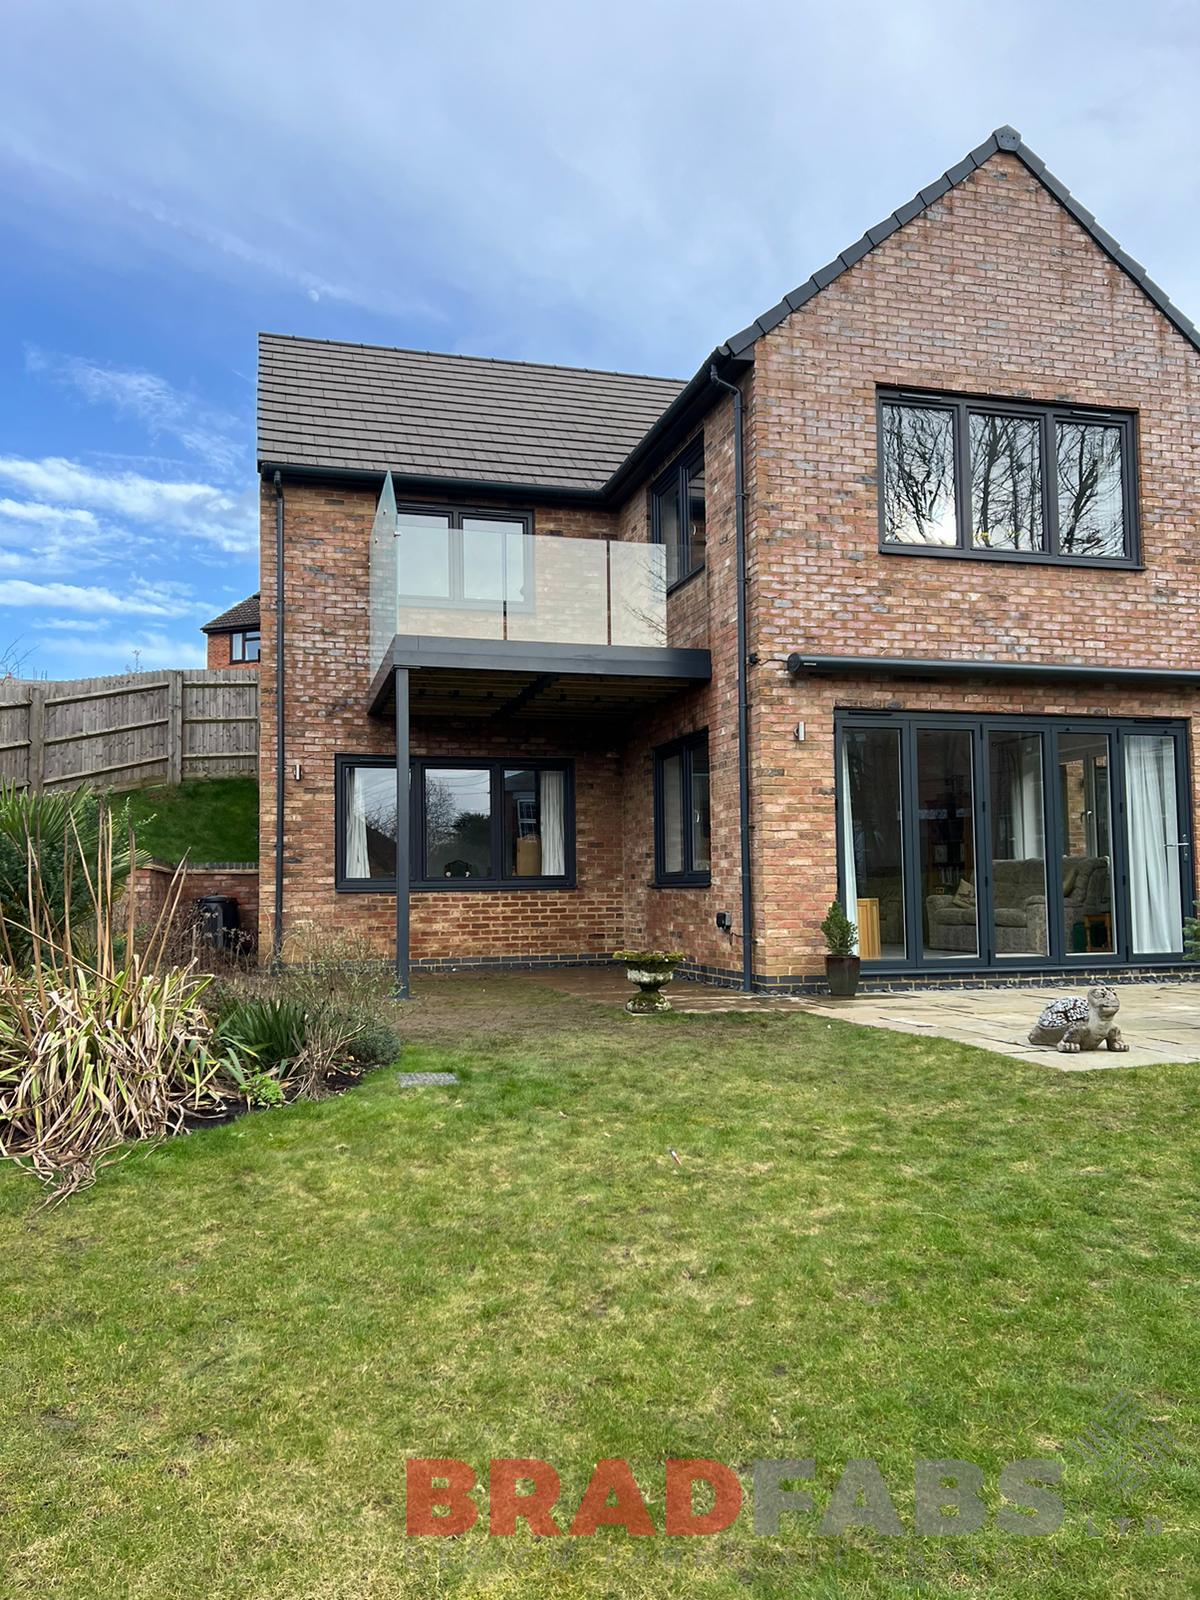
301	1046
96	1051
53	839
1191	939
841	935
376	1042
323	966
272	1032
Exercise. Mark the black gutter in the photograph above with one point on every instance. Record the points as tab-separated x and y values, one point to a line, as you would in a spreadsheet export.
739	498
674	422
425	483
277	934
802	665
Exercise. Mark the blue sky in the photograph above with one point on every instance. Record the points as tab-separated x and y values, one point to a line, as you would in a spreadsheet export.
618	186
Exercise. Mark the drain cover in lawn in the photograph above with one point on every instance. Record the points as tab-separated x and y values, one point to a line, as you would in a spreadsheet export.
418	1080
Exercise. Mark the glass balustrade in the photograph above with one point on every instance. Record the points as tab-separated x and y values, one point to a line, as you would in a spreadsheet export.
489	578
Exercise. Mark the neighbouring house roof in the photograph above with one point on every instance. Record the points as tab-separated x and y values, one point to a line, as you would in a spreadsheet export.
239	618
516	424
362	408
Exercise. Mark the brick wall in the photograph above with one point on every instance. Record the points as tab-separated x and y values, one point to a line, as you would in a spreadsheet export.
151	885
219	647
994	290
329	672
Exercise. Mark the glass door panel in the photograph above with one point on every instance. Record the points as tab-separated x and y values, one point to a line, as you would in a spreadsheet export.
873	841
1020	926
1087	911
1156	843
945	805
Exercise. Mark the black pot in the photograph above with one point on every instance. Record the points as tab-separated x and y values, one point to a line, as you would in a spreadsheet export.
842	972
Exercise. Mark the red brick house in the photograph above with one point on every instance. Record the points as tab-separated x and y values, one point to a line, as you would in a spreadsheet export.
895	600
234	637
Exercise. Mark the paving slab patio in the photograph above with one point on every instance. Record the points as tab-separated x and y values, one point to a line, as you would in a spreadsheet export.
1159	1021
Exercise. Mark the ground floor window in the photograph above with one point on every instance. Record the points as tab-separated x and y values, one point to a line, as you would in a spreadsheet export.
682	827
473	824
1013	840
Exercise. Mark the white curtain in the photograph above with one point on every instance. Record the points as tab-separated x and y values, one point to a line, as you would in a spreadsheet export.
357	862
554	851
849	865
1025	800
1154	887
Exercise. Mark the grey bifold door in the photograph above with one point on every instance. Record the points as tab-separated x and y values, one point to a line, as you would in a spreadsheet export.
1013	841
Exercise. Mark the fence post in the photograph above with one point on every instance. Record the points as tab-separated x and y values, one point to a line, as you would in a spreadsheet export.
36	775
175	727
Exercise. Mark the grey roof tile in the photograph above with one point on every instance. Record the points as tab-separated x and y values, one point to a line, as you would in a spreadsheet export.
370	409
243	615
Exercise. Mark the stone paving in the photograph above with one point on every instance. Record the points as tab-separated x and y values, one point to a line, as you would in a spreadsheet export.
1160	1021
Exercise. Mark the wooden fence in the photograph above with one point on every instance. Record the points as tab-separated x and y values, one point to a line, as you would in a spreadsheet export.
130	731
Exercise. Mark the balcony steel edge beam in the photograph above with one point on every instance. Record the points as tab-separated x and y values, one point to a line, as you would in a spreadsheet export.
417	651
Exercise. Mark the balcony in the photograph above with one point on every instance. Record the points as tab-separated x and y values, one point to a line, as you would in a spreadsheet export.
487	616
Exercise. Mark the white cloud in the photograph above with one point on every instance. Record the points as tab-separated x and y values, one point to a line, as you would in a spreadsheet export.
140	651
46	516
164	601
200	510
210	435
71	624
657	232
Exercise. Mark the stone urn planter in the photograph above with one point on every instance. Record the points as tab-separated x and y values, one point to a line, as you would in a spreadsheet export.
650	970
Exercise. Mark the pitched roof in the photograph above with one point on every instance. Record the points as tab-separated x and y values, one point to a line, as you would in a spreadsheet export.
1007	139
364	408
243	615
464	418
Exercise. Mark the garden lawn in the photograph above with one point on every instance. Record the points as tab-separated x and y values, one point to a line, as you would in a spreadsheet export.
207	820
216	1361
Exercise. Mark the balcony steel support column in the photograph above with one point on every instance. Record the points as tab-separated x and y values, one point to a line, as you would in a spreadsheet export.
403	812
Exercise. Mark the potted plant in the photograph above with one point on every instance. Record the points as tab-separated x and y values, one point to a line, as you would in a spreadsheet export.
650	970
841	962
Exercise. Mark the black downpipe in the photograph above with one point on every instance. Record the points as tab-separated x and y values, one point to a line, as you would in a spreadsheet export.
277	935
739	496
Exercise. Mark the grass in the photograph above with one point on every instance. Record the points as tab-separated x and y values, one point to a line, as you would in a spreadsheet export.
213	820
871	1245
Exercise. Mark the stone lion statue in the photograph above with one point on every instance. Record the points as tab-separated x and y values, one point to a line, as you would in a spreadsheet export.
1076	1024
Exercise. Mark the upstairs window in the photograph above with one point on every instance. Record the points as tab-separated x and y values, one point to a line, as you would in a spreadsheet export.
471	560
677	514
245	646
1002	479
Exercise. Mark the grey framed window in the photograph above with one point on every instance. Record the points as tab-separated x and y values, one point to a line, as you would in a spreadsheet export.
245	646
1005	480
473	824
682	812
471	560
677	514
1010	842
